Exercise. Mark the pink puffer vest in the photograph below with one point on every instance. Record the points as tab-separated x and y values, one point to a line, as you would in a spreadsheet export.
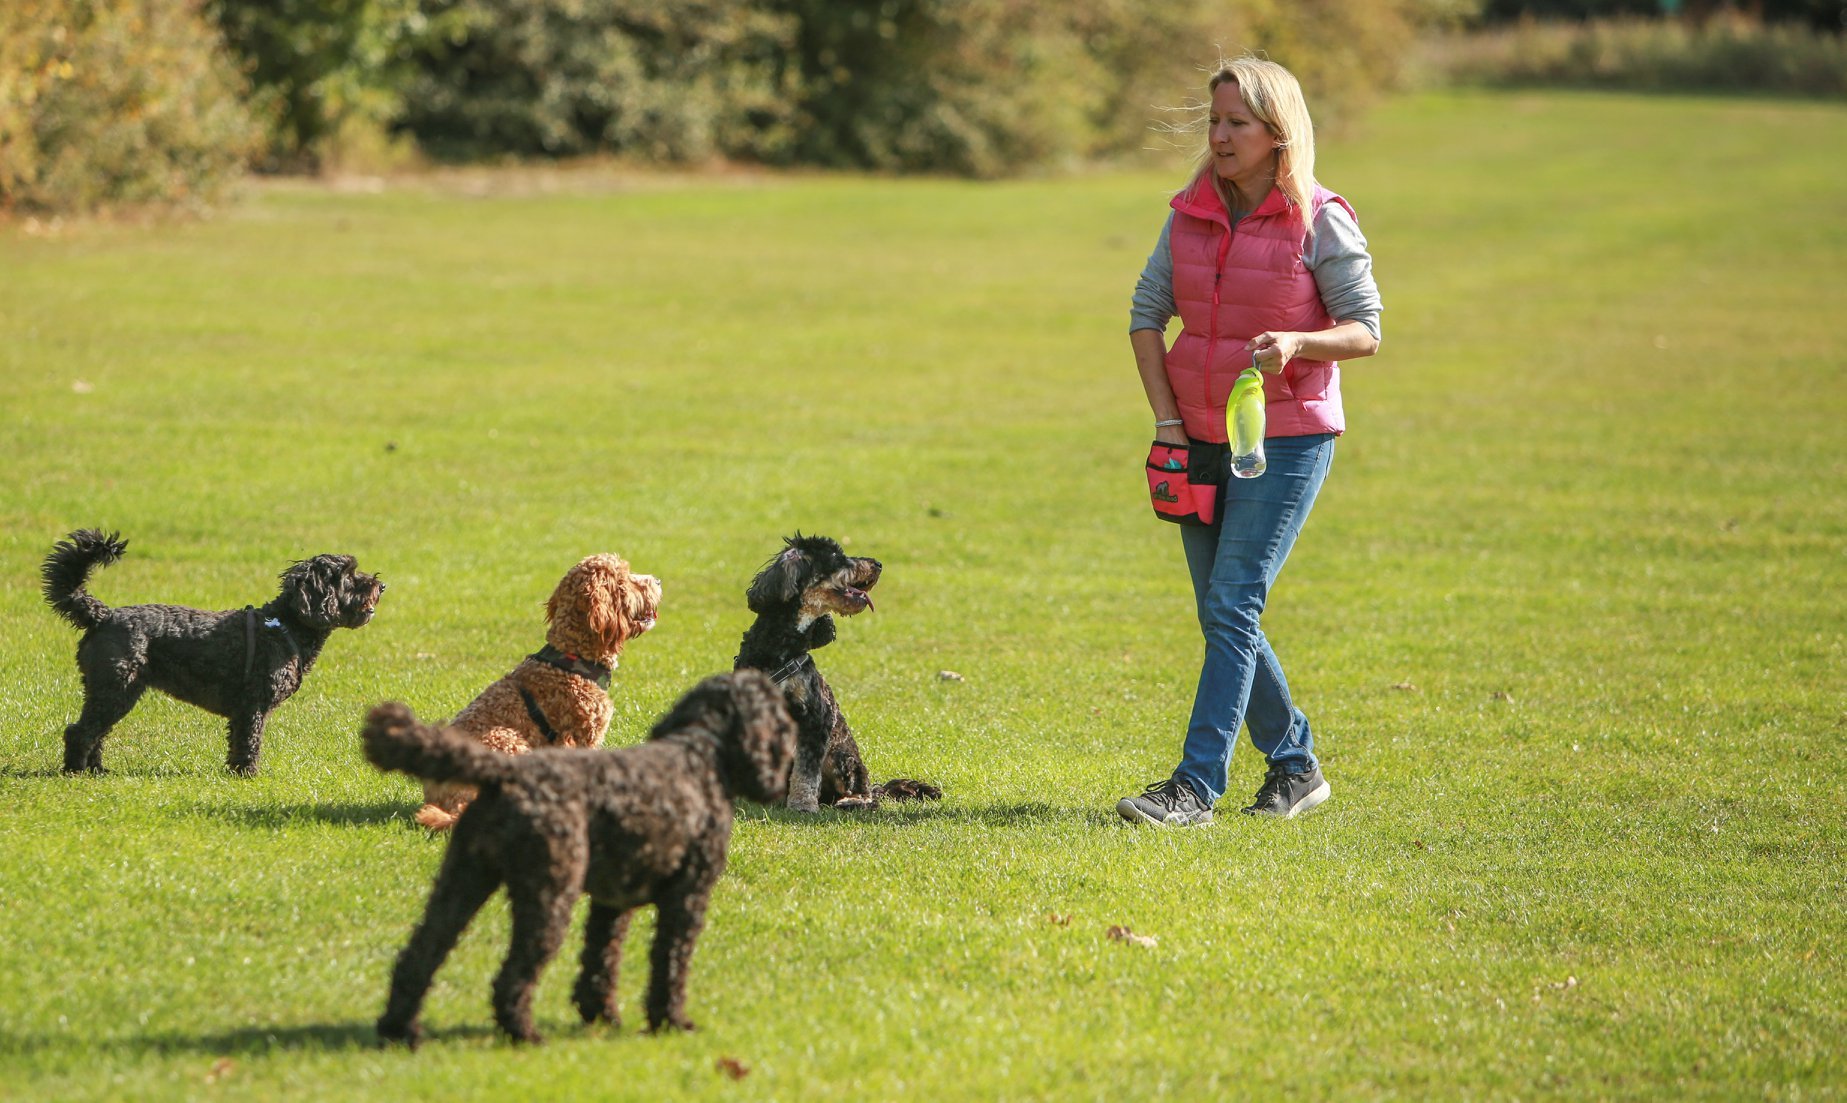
1230	287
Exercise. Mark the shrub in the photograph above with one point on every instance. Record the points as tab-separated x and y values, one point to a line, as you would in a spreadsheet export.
663	79
1723	55
115	101
989	86
318	67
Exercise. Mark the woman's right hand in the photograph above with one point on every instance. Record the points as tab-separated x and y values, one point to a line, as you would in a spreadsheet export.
1170	434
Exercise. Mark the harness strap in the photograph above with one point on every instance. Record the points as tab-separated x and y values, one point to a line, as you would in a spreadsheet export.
788	670
572	664
250	639
538	717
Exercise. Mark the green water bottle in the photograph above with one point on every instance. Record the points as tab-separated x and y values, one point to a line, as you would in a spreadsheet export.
1244	423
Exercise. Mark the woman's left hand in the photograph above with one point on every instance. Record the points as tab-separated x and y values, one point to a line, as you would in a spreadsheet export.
1272	349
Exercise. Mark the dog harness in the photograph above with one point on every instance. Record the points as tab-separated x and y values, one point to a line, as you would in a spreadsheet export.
789	669
538	717
250	638
572	664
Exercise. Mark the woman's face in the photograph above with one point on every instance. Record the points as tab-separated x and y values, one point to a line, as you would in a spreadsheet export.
1243	149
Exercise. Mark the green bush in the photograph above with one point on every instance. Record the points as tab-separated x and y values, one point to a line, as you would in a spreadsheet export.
318	67
973	87
1723	55
984	87
660	79
106	102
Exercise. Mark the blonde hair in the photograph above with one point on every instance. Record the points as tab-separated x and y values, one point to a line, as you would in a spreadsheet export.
1274	97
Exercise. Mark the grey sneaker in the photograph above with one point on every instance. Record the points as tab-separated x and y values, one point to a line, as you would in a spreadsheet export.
1166	803
1286	795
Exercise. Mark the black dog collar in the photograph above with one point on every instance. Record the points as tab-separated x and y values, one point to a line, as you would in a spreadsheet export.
571	664
788	670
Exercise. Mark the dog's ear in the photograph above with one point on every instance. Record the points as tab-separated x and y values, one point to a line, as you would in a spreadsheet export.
608	607
760	747
707	705
590	606
780	580
312	587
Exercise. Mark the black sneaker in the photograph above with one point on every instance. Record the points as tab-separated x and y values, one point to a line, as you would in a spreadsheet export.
1164	803
1286	795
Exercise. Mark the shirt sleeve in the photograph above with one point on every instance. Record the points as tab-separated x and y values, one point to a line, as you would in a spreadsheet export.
1343	269
1153	304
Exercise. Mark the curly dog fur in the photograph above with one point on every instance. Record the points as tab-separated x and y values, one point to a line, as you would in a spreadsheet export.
647	824
558	696
241	664
796	596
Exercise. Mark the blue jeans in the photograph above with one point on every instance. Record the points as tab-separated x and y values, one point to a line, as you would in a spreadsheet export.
1234	563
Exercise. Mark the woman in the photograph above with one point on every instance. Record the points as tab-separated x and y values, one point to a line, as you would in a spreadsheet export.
1264	267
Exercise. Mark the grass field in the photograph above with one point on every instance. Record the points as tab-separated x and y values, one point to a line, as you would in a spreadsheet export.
1568	619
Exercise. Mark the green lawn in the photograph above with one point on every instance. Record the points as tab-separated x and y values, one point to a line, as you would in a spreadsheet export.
1568	619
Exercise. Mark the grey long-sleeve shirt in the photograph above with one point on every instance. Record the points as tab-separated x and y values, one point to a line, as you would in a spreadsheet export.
1336	255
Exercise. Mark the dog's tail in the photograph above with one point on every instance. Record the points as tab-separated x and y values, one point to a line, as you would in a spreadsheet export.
395	741
68	567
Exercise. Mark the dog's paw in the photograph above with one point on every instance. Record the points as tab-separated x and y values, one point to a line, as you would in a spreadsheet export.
855	804
242	769
680	1023
408	1035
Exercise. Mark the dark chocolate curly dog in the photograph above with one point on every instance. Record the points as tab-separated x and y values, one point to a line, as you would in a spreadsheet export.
240	664
642	825
795	598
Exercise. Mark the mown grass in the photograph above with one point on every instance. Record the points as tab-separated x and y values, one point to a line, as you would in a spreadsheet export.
1567	617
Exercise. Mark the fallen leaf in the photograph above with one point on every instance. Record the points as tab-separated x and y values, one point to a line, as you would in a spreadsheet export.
1118	933
82	386
1418	843
1502	695
1405	686
1062	919
732	1067
948	676
221	1069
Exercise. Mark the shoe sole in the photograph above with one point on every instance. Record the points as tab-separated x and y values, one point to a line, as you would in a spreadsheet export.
1127	810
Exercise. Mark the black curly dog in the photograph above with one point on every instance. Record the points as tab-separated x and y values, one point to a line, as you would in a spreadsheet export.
795	597
240	664
647	824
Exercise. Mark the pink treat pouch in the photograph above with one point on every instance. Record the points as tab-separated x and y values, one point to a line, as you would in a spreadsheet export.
1172	490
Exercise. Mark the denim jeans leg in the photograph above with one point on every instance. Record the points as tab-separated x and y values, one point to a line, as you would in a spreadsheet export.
1233	564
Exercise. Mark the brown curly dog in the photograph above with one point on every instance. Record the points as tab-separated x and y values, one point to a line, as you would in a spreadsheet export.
641	825
559	695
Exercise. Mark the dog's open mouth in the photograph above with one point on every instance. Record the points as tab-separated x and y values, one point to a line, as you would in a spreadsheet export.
857	596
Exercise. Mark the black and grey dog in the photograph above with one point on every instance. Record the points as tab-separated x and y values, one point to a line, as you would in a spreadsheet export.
649	824
240	664
795	597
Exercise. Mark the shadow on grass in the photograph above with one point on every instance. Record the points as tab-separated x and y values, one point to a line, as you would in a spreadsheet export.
131	773
251	1041
245	1041
10	773
287	815
1019	814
